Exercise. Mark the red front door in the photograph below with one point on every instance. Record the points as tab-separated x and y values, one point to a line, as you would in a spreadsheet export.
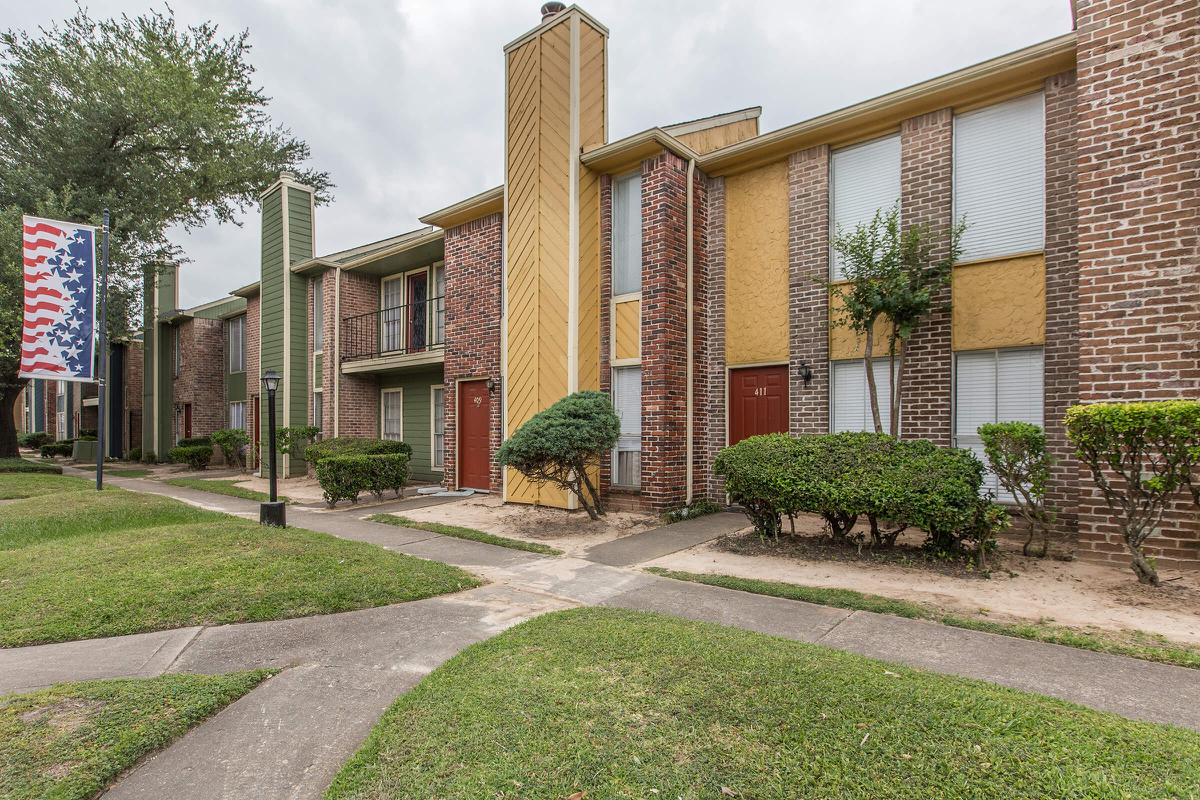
474	422
187	420
758	401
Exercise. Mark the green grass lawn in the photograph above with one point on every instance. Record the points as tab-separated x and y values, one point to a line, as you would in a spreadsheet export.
77	565
15	485
620	704
459	532
127	472
70	741
1135	644
18	464
221	486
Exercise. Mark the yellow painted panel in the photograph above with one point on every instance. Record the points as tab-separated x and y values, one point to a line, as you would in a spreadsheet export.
714	138
999	303
845	343
628	319
589	281
756	265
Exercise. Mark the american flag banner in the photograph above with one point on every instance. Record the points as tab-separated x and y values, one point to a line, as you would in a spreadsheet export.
59	335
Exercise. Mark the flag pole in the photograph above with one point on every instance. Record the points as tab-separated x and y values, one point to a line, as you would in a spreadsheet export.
102	338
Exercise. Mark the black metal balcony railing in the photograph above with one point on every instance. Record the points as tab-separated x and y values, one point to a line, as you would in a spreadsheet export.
400	330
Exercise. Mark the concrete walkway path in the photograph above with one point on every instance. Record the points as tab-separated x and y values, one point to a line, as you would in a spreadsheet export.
657	542
289	736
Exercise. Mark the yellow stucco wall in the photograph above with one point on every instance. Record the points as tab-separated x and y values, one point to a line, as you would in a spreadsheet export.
756	265
627	319
845	343
999	303
710	139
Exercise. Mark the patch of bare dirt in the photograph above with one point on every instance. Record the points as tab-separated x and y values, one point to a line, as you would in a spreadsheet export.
66	716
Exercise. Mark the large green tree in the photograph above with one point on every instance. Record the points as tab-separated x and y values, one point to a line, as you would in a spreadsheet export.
160	123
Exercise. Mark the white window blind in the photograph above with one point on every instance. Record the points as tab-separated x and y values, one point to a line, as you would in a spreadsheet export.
439	427
392	312
627	234
318	406
237	416
996	386
393	409
627	401
318	315
864	179
1000	177
237	344
851	406
439	304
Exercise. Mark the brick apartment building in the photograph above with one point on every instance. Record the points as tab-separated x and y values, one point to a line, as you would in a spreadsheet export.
679	269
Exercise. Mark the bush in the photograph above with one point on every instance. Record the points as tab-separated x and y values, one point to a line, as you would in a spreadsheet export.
847	476
1016	452
294	438
559	445
697	508
195	441
88	434
354	446
1141	455
232	442
149	457
195	456
25	465
346	477
63	447
134	454
33	441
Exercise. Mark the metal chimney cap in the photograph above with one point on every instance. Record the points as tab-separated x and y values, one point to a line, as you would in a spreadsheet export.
552	8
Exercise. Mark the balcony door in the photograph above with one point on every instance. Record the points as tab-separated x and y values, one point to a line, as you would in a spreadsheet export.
391	317
418	294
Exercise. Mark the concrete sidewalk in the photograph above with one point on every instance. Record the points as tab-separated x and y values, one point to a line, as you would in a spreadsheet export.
657	542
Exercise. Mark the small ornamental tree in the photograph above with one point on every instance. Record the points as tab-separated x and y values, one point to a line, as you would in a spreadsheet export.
891	274
1016	452
559	445
1141	455
232	442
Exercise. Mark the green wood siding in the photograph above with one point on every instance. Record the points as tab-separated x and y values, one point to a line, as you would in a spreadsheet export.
228	308
418	419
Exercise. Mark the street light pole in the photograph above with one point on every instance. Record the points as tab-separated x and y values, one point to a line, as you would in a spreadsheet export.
272	513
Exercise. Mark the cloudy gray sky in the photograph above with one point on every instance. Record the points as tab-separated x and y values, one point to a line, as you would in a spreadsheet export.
401	100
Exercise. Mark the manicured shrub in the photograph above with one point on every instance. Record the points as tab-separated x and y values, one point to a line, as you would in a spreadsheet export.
559	445
294	438
346	477
1141	456
194	441
388	471
25	465
761	476
1016	452
134	454
232	442
34	440
63	447
354	446
195	456
149	457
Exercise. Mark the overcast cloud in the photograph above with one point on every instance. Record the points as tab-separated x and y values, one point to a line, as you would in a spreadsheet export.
402	101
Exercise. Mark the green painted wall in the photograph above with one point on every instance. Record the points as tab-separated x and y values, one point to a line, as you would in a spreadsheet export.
231	306
418	419
160	294
300	245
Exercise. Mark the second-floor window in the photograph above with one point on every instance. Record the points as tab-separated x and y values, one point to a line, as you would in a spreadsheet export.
318	315
627	234
177	356
235	335
863	180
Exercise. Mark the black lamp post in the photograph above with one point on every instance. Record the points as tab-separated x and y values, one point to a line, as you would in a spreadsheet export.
272	513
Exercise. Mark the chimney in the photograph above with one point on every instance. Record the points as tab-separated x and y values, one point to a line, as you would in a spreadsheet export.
552	8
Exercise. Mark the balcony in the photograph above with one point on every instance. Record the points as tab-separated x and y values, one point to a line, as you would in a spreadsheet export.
407	335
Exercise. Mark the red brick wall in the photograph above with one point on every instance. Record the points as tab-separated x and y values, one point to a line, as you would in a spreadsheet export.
473	262
358	397
926	159
329	367
253	378
1061	349
664	331
808	299
713	366
700	335
201	379
135	366
1139	227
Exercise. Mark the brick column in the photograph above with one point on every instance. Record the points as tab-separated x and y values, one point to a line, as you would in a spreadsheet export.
253	379
1138	85
700	336
473	262
715	422
1061	349
358	395
808	299
664	331
925	198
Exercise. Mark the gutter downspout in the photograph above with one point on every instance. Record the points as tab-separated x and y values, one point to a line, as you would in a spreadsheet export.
691	173
337	349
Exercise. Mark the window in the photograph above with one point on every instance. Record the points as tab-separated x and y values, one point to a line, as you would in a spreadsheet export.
318	315
318	408
627	400
995	386
999	178
438	396
60	409
863	180
237	416
392	315
439	304
392	412
627	234
850	409
177	355
235	335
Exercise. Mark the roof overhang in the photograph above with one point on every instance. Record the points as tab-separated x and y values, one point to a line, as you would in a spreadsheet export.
627	153
715	121
990	81
482	204
416	249
313	266
248	291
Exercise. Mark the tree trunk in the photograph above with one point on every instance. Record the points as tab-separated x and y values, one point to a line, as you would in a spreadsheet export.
868	350
583	476
1145	571
8	423
898	382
